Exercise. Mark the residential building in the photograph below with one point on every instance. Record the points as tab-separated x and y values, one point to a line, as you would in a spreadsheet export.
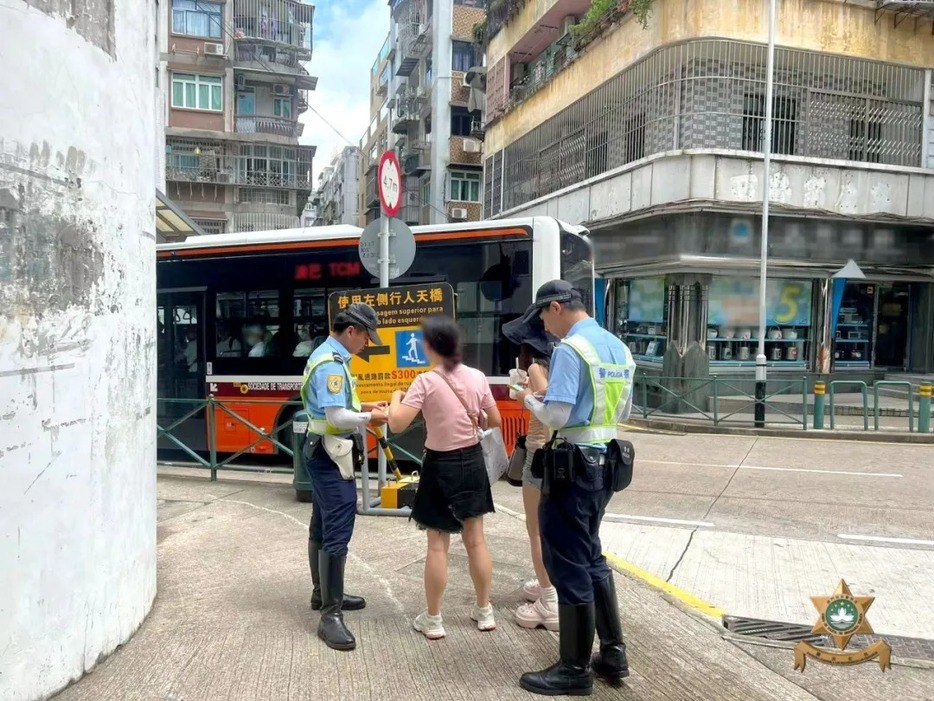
432	51
653	138
337	198
236	86
376	139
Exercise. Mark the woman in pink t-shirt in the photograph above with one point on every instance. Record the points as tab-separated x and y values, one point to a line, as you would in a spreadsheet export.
454	490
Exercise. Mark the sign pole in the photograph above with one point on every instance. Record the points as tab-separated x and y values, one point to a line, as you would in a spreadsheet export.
383	282
761	365
389	181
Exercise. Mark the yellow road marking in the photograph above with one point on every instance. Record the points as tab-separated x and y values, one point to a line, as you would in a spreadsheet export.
619	563
681	595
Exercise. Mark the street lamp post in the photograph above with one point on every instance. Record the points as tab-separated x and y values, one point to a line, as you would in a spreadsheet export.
761	367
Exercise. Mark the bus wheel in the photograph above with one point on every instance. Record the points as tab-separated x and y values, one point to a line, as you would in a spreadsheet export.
304	496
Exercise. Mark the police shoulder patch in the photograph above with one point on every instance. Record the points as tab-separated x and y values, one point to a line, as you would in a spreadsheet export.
335	383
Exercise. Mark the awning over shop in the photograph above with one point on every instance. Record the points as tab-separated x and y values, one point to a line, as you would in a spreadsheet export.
172	224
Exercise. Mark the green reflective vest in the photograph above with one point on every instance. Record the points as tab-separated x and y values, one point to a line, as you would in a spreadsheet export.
320	426
612	390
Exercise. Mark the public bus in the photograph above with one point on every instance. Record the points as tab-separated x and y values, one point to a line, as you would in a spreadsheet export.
240	313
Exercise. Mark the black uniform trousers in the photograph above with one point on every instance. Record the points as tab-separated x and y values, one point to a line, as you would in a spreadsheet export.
334	504
569	517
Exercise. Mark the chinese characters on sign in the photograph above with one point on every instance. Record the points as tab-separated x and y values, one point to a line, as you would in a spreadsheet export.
382	369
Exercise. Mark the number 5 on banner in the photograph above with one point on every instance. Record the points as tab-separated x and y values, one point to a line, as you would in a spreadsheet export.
788	304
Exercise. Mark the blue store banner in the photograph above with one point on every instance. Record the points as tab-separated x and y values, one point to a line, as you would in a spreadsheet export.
734	302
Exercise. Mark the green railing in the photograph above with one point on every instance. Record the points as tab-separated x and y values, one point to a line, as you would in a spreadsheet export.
678	394
703	399
201	445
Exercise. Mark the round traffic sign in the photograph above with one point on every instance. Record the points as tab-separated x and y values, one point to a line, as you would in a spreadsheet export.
401	248
389	183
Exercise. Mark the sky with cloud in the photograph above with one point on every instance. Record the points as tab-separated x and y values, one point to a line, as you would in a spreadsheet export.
348	35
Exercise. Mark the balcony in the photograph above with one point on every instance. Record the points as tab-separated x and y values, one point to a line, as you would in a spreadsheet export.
275	126
407	114
903	9
253	164
276	23
371	195
416	158
414	45
263	222
269	64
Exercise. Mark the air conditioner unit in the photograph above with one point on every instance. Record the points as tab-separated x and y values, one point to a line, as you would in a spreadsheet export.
471	146
459	213
282	90
566	25
212	49
465	83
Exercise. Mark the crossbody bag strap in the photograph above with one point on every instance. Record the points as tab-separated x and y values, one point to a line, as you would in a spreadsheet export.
473	419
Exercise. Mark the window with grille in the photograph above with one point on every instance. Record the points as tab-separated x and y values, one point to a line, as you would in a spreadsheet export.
256	195
212	226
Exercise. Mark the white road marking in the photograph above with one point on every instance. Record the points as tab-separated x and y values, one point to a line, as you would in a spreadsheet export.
884	539
776	469
625	518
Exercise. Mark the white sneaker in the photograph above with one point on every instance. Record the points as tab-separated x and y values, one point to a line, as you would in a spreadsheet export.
538	614
429	626
483	617
532	590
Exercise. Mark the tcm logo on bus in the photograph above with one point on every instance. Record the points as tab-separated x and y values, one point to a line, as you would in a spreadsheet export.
608	374
317	271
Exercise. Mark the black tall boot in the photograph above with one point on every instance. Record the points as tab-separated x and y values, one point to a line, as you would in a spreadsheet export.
610	663
571	675
331	629
351	603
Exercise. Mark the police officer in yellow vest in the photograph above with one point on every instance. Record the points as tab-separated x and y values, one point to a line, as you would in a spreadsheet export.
589	394
335	446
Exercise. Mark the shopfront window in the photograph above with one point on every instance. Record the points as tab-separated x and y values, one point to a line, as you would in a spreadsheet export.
641	317
733	321
872	325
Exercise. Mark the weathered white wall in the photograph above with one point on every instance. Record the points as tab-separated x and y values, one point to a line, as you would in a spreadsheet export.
77	336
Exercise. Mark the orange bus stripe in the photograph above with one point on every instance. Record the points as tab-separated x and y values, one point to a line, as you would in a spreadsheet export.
299	245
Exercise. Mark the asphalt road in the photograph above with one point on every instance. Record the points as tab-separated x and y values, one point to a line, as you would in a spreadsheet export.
756	526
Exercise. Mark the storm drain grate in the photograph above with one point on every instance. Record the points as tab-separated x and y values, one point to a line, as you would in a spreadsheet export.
906	648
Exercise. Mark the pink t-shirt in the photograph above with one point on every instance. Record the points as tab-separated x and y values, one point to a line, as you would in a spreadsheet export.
447	425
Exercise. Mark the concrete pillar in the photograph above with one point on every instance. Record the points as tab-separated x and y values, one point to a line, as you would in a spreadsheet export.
442	23
77	336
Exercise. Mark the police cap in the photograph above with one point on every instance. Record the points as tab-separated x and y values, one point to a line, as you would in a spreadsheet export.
363	315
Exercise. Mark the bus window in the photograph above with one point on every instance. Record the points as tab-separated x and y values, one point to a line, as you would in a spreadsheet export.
493	285
577	266
248	324
310	316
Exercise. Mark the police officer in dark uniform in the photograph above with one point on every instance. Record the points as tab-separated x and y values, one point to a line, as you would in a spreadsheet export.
589	394
334	448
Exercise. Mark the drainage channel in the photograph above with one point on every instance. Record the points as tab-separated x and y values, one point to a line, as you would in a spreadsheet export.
906	648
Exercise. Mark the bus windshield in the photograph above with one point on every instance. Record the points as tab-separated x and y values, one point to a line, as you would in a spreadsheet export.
577	267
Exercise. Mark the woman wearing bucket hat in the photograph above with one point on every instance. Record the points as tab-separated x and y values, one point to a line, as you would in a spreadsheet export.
535	347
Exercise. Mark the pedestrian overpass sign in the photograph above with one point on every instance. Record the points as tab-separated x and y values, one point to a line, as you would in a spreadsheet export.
382	369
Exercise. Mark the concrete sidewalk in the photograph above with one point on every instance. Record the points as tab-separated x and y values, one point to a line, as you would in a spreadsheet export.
232	621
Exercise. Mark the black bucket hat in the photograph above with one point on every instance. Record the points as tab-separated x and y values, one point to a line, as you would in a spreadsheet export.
530	331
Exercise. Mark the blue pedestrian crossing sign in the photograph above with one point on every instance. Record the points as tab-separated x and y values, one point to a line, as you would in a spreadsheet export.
409	350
